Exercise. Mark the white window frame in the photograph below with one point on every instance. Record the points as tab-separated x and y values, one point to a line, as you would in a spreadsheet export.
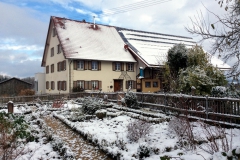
94	65
118	66
130	83
80	84
80	65
94	84
130	66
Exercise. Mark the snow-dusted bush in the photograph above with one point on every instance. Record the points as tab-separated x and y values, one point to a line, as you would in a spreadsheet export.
143	151
90	106
182	128
138	129
131	99
14	132
101	113
219	91
216	138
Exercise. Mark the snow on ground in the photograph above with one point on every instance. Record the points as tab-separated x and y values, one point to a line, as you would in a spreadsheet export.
110	134
109	131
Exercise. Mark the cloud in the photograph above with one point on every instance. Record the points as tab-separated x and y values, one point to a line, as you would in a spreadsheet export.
24	24
19	64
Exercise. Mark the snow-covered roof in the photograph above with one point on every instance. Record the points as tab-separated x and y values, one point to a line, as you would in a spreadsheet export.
152	47
219	63
81	40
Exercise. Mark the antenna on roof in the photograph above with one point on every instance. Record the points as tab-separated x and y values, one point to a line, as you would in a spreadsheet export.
94	22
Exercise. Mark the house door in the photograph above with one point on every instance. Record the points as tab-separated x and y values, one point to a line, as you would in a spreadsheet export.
118	85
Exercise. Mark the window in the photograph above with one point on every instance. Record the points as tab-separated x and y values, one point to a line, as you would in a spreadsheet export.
64	85
59	49
59	66
54	32
80	65
47	85
117	66
155	84
131	84
59	85
52	51
130	67
52	68
148	84
94	65
52	85
47	69
63	65
80	84
95	85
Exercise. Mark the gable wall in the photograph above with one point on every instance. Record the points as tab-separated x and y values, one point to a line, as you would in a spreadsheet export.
56	75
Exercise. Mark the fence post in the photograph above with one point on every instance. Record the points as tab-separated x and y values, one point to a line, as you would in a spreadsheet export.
10	107
206	107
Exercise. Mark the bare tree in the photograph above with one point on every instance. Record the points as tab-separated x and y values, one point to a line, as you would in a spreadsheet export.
225	33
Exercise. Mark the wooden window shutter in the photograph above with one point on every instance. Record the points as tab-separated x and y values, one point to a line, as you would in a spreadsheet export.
134	84
133	66
113	66
64	65
62	85
85	65
90	85
99	65
47	69
122	66
74	83
90	65
127	69
58	66
126	84
58	85
75	65
47	85
85	84
99	84
65	85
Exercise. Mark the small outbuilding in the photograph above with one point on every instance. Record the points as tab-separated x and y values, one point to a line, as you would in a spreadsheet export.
13	86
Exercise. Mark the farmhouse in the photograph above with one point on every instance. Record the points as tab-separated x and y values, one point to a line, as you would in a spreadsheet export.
79	55
13	86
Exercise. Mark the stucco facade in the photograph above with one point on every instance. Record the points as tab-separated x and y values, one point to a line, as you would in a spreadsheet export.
62	71
40	83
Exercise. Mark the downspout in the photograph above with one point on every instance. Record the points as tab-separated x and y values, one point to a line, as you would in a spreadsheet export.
70	76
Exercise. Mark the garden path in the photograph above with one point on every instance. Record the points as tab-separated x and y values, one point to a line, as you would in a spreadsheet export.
83	150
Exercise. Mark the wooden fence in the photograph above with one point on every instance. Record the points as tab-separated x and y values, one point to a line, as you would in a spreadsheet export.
207	108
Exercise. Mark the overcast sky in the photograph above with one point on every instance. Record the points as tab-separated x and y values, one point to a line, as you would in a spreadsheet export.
24	24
